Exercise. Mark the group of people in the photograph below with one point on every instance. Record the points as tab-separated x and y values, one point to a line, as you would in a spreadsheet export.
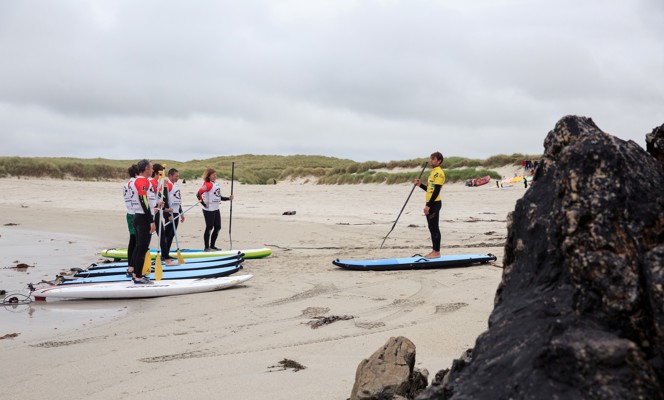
154	204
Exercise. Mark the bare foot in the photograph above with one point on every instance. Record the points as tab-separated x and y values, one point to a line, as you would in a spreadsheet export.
171	262
433	254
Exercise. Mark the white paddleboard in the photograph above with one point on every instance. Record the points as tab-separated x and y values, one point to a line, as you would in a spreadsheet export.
128	290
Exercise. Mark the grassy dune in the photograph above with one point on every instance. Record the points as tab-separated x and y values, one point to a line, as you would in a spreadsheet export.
262	169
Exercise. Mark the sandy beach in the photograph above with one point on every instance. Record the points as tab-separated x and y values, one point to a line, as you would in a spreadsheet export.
226	344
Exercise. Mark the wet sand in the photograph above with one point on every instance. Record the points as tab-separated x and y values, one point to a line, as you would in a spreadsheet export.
224	344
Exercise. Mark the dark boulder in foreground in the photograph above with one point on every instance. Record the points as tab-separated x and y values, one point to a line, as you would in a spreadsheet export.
390	373
579	313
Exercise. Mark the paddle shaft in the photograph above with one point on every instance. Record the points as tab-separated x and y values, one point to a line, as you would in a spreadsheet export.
179	215
175	228
160	195
404	205
230	218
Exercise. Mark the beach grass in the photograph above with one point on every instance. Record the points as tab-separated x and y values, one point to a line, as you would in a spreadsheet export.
262	169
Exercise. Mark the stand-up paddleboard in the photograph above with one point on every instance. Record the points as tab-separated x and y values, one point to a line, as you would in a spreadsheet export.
417	262
188	261
121	253
165	268
127	290
213	272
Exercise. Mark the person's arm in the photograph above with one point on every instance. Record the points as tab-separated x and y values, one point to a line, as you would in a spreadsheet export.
423	187
434	195
205	188
165	195
142	188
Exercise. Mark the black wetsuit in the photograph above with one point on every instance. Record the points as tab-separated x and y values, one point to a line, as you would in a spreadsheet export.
433	219
142	225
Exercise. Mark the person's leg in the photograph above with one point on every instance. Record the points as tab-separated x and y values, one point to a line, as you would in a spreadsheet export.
433	222
209	224
171	232
142	243
130	253
217	228
132	243
168	239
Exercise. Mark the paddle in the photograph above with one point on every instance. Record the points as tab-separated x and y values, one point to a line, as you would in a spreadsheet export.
175	232
230	218
404	205
147	264
177	242
158	269
180	258
183	213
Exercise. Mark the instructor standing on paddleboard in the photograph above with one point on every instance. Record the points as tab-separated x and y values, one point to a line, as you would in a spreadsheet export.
433	202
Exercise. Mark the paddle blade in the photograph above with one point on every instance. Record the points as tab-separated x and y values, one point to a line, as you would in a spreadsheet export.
180	258
158	269
147	264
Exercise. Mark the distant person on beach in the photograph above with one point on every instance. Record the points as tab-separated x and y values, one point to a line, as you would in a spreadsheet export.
433	201
143	219
173	209
210	197
128	193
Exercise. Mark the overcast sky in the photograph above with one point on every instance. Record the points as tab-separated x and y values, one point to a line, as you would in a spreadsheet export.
360	79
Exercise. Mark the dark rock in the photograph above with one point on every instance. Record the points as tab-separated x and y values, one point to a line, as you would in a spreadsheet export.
655	143
389	374
579	313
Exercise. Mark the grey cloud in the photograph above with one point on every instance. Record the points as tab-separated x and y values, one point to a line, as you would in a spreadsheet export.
358	79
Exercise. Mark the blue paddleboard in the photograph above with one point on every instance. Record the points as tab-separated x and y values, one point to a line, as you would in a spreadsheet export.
165	268
417	262
220	270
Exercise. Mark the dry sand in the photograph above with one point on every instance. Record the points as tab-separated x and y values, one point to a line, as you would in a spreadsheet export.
224	344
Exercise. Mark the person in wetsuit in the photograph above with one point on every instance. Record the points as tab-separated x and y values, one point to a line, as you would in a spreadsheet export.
128	193
173	208
210	197
433	204
143	219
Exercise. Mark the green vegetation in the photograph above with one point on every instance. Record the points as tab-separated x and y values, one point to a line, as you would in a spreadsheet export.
262	169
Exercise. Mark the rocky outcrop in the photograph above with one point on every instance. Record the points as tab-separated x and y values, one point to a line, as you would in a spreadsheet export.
389	374
579	313
655	143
